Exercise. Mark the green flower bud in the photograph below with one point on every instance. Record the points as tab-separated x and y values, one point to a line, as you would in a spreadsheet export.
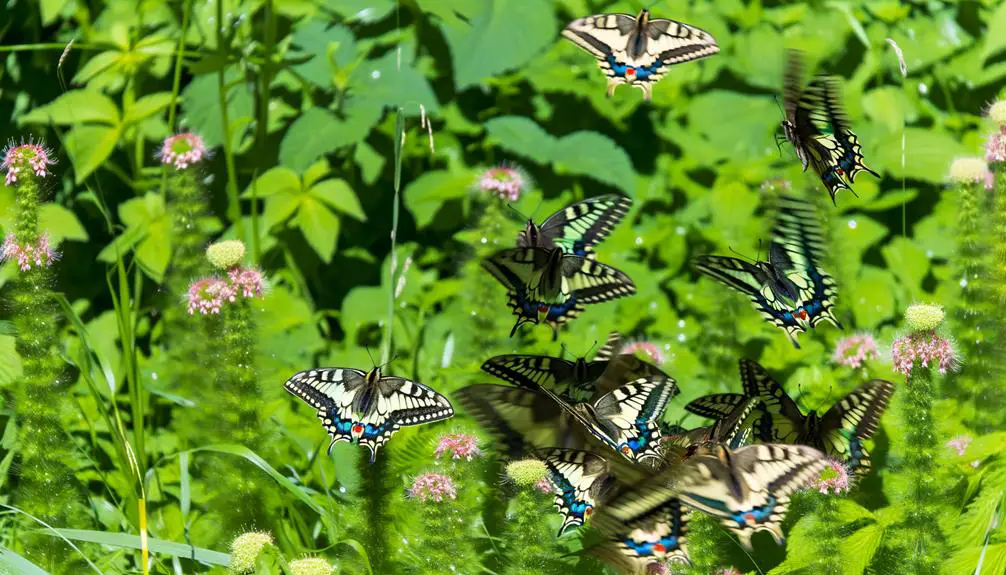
311	566
245	550
968	170
997	112
226	254
923	317
526	472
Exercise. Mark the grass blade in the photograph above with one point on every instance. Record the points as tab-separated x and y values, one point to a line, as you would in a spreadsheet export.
11	562
129	541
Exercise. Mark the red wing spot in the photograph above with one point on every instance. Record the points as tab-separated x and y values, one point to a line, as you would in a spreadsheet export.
749	517
626	450
840	171
357	429
659	548
629	72
542	308
802	313
588	512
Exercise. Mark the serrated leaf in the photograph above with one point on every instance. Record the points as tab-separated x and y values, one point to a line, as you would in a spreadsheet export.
89	147
318	132
502	35
597	156
319	226
75	107
278	180
338	195
382	82
147	106
859	548
10	361
522	136
426	194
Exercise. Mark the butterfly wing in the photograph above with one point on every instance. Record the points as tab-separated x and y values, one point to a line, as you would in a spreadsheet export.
782	421
580	226
637	50
336	394
799	236
610	347
627	419
644	524
854	419
519	420
748	489
577	477
716	406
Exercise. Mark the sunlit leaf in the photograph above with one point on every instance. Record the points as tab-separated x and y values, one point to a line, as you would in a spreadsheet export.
76	107
319	225
89	146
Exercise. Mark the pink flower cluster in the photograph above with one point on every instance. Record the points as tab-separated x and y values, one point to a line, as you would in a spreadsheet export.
41	253
545	485
458	446
432	487
855	350
995	147
209	295
182	150
959	444
506	181
35	155
834	477
651	350
927	348
657	568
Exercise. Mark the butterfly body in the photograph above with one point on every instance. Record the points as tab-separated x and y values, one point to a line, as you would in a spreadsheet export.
546	285
638	50
818	129
790	290
577	228
366	407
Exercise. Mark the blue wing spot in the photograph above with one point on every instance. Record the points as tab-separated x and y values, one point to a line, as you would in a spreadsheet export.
657	548
631	72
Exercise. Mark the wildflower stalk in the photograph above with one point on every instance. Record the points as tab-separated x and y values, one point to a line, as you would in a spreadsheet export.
707	542
826	536
449	507
973	308
44	484
529	541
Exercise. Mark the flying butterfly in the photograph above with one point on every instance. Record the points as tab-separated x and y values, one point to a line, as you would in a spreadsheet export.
578	380
366	407
577	228
789	289
840	432
819	130
550	286
642	526
578	477
732	431
638	51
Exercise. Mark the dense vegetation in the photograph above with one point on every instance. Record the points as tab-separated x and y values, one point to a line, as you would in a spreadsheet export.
346	141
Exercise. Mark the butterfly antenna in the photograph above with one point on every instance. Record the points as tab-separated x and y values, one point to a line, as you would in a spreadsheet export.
759	249
742	255
370	355
518	212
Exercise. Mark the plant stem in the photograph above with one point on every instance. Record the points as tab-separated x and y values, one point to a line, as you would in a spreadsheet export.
233	202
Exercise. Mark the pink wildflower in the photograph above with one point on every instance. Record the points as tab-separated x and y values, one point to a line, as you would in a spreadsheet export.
855	350
927	348
507	181
458	446
248	281
182	150
40	254
995	147
545	485
208	295
31	155
656	568
651	350
834	476
432	487
959	444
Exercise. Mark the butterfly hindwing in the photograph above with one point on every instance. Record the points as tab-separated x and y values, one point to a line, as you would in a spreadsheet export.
748	489
577	477
853	419
638	51
364	407
644	524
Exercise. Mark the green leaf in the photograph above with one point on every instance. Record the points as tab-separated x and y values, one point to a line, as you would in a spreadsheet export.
97	65
502	35
928	154
365	11
382	82
522	136
149	230
201	103
995	42
319	226
426	194
371	163
156	546
280	207
147	106
318	132
11	562
89	147
10	361
736	125
592	154
873	302
61	224
859	548
75	107
278	180
908	262
316	39
338	195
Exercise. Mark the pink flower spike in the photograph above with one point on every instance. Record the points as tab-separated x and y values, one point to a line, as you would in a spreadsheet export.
995	147
432	487
834	477
928	349
855	350
507	181
959	444
458	446
182	150
34	157
40	254
208	295
650	349
246	280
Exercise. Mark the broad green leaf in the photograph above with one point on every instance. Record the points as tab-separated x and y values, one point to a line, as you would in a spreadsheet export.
11	562
338	195
75	107
738	126
859	548
522	136
201	104
330	48
908	262
928	154
99	64
371	163
61	224
995	39
426	194
89	147
889	106
498	36
156	546
278	180
592	154
147	106
51	10
280	207
382	82
364	11
318	132
319	225
871	297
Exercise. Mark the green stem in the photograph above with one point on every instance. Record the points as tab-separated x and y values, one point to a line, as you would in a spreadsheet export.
390	326
233	202
920	466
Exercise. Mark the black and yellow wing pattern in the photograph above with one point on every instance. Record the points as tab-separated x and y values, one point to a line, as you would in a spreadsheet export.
577	477
577	228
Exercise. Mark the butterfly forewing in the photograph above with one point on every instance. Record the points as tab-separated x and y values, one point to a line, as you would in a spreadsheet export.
854	419
364	407
579	227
